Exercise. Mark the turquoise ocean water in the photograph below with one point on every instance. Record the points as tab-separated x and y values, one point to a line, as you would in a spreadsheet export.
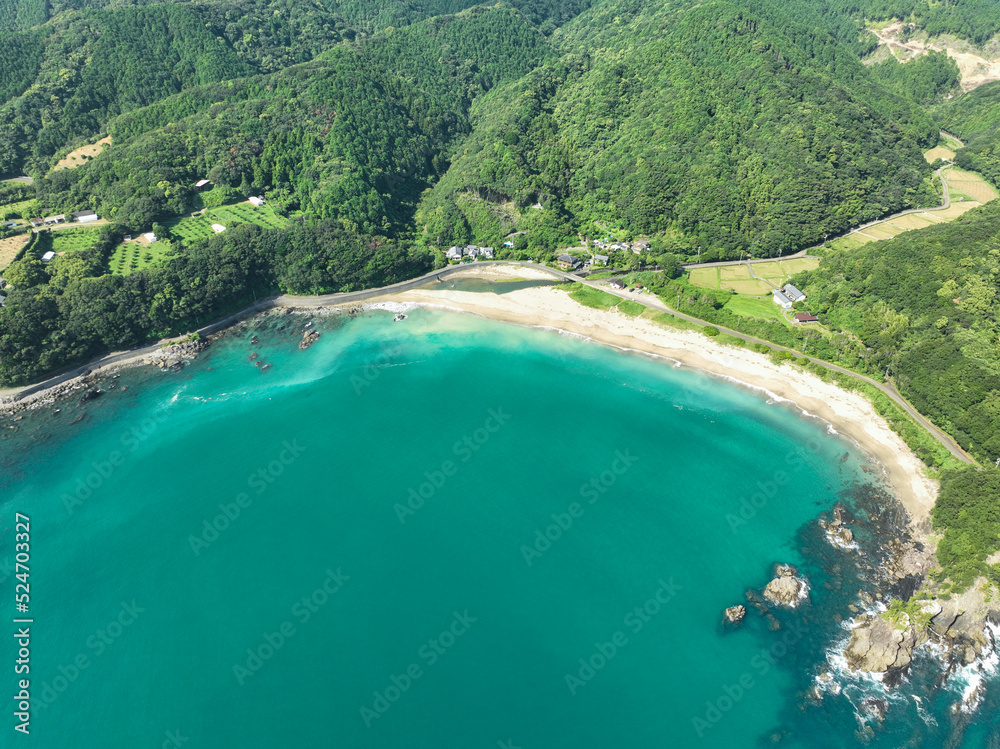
445	532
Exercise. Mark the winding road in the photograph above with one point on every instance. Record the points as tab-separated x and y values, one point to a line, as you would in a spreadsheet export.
330	300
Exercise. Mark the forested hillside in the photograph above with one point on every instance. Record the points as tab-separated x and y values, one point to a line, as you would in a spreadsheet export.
726	126
927	306
353	136
715	128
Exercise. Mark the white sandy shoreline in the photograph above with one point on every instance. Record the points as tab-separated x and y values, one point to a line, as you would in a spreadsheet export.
849	413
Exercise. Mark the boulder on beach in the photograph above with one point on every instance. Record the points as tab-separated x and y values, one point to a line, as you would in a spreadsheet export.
786	589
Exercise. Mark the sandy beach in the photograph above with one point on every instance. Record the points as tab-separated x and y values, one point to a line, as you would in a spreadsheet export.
849	413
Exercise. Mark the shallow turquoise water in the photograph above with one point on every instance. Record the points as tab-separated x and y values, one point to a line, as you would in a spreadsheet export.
410	535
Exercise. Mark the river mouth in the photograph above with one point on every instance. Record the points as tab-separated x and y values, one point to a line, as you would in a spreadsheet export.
441	532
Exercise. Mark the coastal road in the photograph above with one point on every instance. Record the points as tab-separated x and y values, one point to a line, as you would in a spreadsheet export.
945	205
330	300
888	389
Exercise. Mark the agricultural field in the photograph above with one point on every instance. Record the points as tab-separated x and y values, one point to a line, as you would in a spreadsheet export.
969	185
192	228
940	152
72	240
81	155
136	255
9	248
737	278
967	190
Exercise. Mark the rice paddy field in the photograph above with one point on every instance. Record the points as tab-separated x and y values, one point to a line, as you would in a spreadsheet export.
192	228
737	278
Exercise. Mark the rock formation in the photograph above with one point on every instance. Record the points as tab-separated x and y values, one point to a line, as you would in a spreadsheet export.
785	589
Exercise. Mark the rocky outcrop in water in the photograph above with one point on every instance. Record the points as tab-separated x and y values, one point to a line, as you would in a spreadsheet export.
175	355
878	645
837	532
308	339
735	614
786	589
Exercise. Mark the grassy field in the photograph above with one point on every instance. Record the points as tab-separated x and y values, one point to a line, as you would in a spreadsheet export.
17	210
137	255
73	240
9	248
192	228
81	155
761	308
941	152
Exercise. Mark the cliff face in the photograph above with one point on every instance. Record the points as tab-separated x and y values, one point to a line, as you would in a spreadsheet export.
880	643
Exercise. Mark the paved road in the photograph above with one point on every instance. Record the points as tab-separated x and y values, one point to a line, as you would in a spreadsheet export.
438	275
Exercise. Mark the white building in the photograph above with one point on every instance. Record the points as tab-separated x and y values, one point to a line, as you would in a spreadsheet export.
218	228
48	256
781	300
83	217
149	237
793	293
256	201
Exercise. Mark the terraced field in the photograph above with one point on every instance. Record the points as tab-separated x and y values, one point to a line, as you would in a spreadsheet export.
967	190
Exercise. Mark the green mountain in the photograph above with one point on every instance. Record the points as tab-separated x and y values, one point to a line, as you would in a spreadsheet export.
723	125
394	125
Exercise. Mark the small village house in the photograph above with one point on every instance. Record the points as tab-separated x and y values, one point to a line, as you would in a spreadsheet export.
202	185
567	262
804	317
617	283
454	253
